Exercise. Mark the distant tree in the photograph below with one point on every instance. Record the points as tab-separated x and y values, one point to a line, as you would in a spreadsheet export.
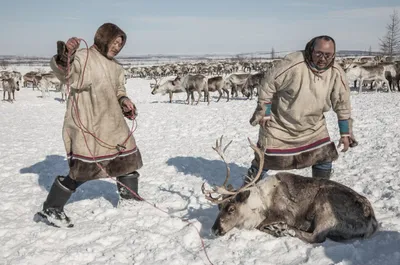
273	53
390	43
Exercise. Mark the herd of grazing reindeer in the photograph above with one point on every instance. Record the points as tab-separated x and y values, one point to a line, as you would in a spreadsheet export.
11	81
362	71
227	78
372	70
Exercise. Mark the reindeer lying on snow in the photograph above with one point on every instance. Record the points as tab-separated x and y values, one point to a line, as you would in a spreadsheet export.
288	204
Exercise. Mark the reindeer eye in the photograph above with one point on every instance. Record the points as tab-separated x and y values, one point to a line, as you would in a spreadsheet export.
231	209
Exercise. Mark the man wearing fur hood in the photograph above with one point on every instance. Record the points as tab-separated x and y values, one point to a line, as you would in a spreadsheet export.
291	106
97	139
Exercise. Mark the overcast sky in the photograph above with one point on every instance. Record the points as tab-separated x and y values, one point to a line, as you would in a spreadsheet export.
194	27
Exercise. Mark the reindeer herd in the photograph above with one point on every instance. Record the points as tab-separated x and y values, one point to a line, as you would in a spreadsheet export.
209	68
372	70
359	71
227	78
201	78
245	83
11	81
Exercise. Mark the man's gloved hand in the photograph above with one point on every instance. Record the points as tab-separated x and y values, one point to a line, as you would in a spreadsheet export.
63	49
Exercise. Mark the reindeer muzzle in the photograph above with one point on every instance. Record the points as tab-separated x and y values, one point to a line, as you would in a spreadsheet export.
217	231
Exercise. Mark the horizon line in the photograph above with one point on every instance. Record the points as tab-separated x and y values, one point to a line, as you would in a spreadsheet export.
197	55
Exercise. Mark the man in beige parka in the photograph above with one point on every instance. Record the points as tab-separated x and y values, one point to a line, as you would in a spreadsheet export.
290	111
96	136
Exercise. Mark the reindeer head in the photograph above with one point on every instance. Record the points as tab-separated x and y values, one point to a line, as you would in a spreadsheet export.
176	81
231	214
238	208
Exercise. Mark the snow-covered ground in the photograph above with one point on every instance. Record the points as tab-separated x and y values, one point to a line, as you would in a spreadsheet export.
175	141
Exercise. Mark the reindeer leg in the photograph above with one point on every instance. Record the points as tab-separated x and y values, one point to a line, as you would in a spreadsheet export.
198	99
188	96
227	94
170	96
279	229
220	94
317	236
274	225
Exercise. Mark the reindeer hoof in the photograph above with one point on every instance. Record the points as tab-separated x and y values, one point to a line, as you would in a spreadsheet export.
278	229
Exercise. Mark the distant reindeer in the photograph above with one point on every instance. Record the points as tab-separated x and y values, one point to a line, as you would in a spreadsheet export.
287	204
190	84
9	86
237	82
217	83
33	78
253	81
63	91
167	87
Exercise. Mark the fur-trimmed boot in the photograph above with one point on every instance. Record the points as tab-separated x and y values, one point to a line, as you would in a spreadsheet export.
321	173
132	182
53	208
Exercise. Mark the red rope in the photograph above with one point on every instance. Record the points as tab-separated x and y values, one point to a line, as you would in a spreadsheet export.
85	130
74	104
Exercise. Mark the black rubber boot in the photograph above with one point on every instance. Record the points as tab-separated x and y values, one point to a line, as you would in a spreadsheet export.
251	174
53	208
132	182
321	174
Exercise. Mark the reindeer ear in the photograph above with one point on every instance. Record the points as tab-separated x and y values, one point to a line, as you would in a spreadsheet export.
243	196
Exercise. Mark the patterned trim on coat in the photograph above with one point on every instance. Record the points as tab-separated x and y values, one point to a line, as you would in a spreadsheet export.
97	159
297	150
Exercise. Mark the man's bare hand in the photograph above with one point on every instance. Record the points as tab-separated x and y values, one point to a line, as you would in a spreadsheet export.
345	141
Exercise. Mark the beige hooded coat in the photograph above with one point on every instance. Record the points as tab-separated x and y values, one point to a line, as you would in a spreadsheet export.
297	135
95	132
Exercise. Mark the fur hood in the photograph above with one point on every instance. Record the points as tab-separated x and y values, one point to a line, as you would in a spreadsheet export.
106	34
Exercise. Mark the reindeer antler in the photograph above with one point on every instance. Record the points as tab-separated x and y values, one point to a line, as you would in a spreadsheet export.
221	152
222	190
